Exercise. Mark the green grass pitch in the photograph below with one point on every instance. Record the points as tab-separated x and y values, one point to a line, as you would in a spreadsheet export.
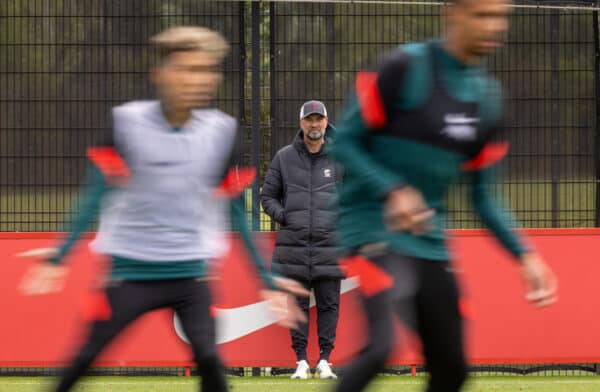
281	384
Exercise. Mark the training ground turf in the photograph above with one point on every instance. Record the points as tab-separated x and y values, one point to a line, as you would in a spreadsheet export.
281	384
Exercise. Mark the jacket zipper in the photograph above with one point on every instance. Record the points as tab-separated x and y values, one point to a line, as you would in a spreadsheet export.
310	210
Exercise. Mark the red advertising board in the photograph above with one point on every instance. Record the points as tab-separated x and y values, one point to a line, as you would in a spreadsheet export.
502	327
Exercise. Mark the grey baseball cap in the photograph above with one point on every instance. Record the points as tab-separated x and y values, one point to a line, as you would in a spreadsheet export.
312	107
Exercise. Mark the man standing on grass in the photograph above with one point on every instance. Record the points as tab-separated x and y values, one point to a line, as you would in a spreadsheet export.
298	193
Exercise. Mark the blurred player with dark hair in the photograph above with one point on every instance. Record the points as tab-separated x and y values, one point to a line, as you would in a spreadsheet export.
424	118
156	182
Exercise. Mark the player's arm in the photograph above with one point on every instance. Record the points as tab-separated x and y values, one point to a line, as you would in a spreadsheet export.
95	189
238	213
106	169
49	275
280	291
487	153
539	278
499	220
235	180
93	192
272	192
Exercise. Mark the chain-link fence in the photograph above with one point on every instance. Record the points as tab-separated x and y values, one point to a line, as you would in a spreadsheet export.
64	64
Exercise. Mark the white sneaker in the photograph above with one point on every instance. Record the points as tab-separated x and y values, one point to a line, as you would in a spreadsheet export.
324	370
301	371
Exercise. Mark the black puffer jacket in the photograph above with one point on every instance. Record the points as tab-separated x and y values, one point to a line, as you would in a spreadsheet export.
299	193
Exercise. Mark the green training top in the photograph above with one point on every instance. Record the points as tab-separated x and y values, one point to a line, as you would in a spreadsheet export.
423	119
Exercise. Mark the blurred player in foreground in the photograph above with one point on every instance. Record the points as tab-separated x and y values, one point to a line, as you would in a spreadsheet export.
156	182
425	117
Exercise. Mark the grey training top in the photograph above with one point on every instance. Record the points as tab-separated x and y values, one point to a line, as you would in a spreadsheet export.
168	210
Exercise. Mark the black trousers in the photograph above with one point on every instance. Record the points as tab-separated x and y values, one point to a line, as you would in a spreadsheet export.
128	300
327	298
425	296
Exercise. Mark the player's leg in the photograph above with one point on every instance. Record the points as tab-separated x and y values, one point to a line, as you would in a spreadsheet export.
126	301
192	305
379	310
372	357
440	327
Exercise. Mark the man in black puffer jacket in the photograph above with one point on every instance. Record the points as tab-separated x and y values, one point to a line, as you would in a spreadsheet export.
298	193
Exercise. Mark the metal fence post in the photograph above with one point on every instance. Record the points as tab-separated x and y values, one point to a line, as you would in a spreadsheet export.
555	112
595	21
105	54
242	64
273	84
255	41
330	60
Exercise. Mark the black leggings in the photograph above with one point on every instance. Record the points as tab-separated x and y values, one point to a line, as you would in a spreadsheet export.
425	297
128	300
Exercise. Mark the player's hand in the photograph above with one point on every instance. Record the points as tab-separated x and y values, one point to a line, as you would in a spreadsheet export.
405	209
43	277
282	302
284	308
291	286
540	280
